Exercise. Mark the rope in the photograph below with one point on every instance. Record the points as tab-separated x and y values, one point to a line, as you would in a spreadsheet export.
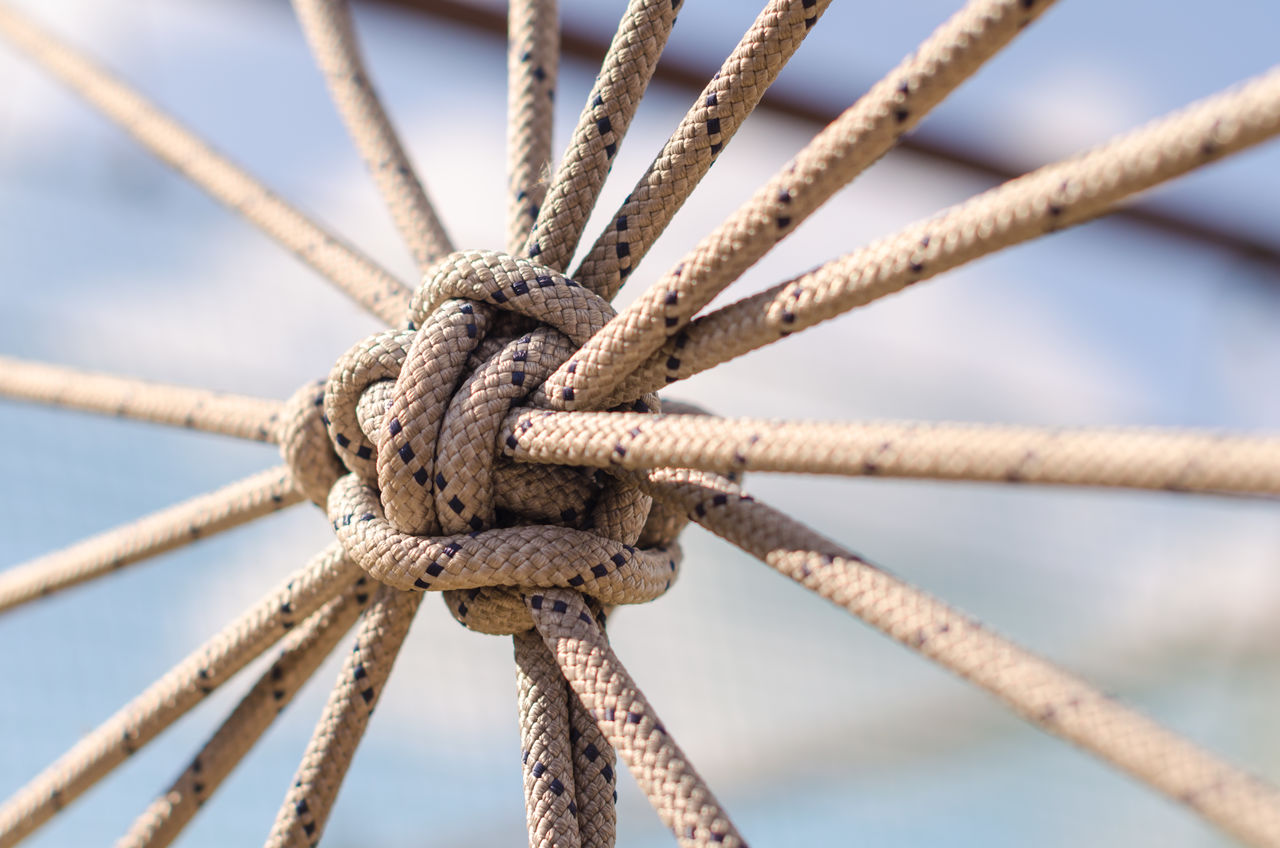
550	788
533	58
371	286
195	409
1136	459
860	136
682	800
172	696
408	445
1048	199
302	652
703	133
331	34
307	805
612	103
1050	698
402	438
174	527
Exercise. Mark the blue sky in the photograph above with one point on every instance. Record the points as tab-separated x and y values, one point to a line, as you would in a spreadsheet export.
111	262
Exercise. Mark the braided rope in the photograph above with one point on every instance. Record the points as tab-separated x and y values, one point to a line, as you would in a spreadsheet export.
550	790
408	443
703	133
170	528
1136	459
682	800
595	776
612	103
371	286
860	136
174	694
307	805
533	59
331	35
1048	697
301	653
123	397
1048	199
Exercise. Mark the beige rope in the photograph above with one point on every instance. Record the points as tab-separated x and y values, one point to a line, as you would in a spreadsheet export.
371	286
860	136
423	457
307	805
705	130
414	414
594	774
612	103
124	397
1136	458
417	415
549	789
170	528
533	59
1045	200
173	695
302	652
1050	698
683	801
331	34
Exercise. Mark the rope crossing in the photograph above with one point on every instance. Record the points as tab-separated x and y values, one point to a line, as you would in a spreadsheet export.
402	446
498	446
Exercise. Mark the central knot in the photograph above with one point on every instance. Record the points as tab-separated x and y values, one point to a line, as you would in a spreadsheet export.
427	500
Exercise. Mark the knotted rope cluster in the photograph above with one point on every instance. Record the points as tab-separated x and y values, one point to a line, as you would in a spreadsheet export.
401	446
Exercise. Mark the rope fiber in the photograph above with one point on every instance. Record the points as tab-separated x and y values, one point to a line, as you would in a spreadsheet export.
500	443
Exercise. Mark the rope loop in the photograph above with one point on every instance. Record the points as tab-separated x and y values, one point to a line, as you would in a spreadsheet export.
429	502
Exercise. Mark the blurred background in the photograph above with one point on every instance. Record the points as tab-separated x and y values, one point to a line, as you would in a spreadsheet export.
109	261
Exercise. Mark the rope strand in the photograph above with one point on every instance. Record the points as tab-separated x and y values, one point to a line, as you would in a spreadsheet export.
1045	695
860	136
302	652
166	530
703	133
173	696
550	791
239	416
331	34
681	798
1132	458
306	808
1048	199
612	103
371	286
533	58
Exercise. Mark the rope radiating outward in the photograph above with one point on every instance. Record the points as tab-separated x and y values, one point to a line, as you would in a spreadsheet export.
835	156
1136	458
309	801
459	452
170	528
550	791
143	400
370	285
331	34
533	63
302	652
173	695
683	801
1040	692
1041	202
612	103
703	133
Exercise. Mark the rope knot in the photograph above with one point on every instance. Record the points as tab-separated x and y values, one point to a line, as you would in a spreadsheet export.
416	416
